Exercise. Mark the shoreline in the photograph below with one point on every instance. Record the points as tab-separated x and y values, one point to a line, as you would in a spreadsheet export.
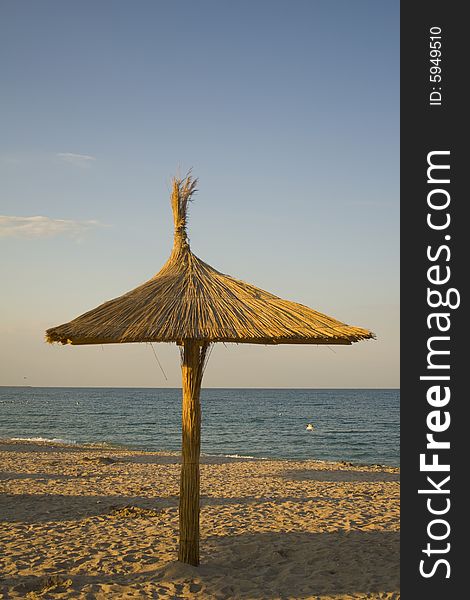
104	522
44	443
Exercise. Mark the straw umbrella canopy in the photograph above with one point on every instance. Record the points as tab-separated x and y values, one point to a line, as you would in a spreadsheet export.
194	305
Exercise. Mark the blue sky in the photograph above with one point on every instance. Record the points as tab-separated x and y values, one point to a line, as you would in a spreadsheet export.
288	113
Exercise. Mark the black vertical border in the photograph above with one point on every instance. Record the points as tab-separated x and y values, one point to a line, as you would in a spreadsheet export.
426	128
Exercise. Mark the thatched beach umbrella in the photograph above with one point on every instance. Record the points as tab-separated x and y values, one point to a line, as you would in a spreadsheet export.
190	303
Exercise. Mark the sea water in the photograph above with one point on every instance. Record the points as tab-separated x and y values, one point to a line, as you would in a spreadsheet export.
357	425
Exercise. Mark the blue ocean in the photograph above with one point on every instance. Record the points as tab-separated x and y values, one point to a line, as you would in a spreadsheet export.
356	425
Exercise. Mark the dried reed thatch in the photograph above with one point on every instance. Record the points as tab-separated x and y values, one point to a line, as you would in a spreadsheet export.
188	299
192	304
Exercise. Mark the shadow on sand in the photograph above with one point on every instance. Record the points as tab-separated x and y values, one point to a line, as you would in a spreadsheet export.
264	566
334	475
48	508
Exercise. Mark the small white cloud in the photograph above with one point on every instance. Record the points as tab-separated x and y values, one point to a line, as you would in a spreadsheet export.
78	160
40	227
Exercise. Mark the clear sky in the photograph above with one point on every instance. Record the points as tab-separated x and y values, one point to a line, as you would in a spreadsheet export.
288	112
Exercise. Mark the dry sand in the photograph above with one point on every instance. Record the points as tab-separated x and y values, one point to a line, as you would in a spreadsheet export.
100	523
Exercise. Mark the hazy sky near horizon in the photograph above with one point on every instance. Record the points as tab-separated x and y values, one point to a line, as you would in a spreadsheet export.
288	113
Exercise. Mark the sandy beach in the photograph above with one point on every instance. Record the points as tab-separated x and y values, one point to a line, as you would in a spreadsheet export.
84	522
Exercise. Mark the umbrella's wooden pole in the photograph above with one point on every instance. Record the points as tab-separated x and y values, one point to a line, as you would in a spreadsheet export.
191	367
